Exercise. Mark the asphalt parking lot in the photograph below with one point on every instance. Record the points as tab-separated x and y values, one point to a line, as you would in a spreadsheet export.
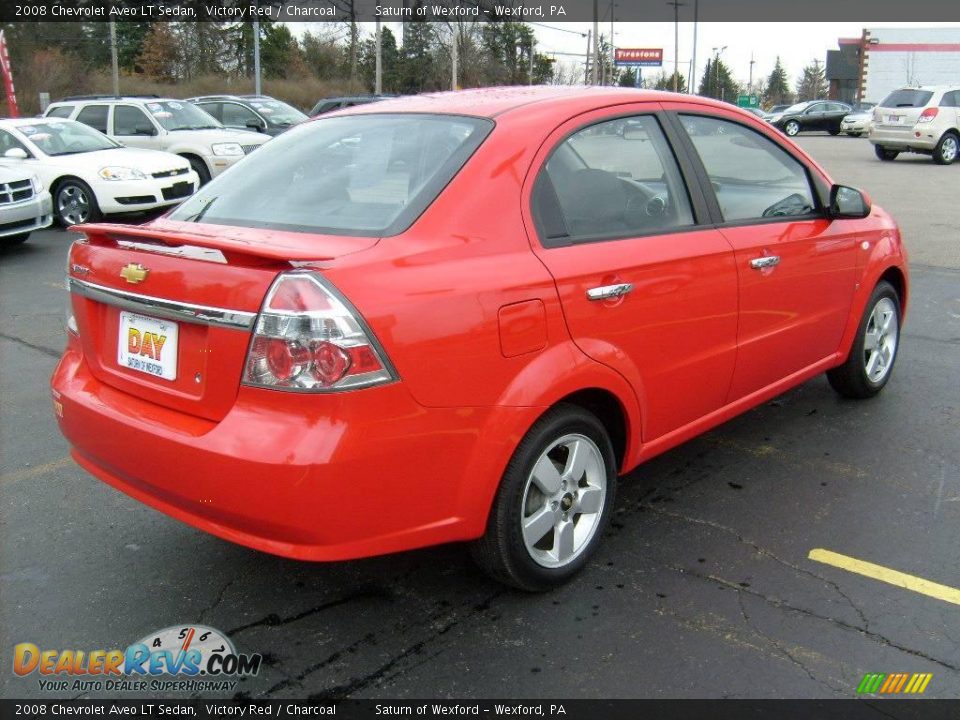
703	587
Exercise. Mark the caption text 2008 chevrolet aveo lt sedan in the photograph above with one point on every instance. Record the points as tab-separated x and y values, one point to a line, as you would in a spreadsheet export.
459	317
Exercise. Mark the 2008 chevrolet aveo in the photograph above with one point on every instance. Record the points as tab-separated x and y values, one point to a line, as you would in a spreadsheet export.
459	317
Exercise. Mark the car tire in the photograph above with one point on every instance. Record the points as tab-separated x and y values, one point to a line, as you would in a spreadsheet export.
834	131
947	149
74	203
885	154
791	128
870	364
15	239
854	134
535	539
200	168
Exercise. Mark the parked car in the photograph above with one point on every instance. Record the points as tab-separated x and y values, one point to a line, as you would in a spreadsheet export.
338	103
154	123
90	175
812	115
777	109
25	204
922	120
758	112
471	343
856	123
259	113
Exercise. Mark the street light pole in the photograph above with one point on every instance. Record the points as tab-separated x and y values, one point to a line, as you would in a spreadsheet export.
676	41
378	70
114	66
716	72
256	57
596	44
691	87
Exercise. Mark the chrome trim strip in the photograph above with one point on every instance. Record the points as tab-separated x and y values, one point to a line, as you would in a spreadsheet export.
168	309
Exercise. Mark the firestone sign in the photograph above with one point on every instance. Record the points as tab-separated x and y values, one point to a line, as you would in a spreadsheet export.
639	57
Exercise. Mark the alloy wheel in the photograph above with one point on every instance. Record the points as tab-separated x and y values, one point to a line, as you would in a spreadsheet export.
563	501
948	149
73	204
880	340
792	128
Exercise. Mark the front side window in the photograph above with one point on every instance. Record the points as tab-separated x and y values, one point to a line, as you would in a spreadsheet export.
369	175
237	116
278	114
611	180
95	116
752	176
130	120
65	137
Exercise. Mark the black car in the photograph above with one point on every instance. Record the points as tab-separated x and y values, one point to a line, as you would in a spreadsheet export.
336	103
812	115
251	112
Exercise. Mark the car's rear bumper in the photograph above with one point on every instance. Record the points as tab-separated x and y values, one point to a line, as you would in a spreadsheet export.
328	477
904	138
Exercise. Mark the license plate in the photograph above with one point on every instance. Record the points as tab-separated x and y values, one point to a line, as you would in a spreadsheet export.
148	345
895	119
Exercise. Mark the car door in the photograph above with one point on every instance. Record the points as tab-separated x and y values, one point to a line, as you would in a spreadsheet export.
796	267
133	128
646	287
813	117
240	117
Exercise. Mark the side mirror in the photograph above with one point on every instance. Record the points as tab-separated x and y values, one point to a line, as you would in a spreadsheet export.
16	154
258	125
847	202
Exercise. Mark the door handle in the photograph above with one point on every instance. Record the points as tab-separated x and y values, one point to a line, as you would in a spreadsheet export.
767	261
609	291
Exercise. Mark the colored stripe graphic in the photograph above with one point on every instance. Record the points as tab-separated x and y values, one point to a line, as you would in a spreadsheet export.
894	683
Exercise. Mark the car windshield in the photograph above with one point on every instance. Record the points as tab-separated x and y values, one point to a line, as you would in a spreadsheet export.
278	113
175	115
907	98
66	138
367	175
799	107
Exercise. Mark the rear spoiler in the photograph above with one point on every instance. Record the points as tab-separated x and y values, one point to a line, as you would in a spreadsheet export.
271	245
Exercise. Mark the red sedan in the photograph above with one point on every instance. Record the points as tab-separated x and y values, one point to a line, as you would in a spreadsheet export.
460	317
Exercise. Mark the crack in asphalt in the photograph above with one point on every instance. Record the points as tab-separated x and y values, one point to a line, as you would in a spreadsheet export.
274	620
784	605
26	343
216	602
783	650
362	682
765	552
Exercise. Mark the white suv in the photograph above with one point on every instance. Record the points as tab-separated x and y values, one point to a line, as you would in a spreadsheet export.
156	123
918	119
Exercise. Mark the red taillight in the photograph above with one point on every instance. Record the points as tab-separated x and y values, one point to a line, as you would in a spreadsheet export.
928	115
308	337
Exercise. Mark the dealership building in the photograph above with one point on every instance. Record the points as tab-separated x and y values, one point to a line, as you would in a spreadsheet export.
867	68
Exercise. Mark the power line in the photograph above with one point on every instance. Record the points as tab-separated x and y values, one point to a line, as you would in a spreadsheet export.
559	29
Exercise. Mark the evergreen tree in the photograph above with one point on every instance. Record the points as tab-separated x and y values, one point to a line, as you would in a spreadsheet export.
665	82
812	84
717	82
778	89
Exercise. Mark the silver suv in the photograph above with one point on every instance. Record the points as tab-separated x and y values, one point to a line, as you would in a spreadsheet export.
918	119
155	123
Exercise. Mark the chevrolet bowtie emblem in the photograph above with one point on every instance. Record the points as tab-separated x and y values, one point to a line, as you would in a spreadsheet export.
134	273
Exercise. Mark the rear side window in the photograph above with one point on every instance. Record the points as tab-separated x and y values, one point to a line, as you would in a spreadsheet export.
753	177
95	116
615	179
907	99
238	116
367	176
63	111
950	99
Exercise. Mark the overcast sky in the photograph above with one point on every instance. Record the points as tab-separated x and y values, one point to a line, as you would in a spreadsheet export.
797	44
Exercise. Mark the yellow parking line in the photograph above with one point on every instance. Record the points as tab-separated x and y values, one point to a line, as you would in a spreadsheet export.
893	577
36	470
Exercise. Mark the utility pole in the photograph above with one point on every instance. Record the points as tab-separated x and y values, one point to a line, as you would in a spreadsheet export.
256	58
596	44
717	90
113	59
586	61
750	84
454	60
378	68
613	58
531	59
676	41
691	87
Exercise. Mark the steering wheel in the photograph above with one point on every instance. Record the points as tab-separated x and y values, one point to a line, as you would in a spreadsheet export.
645	206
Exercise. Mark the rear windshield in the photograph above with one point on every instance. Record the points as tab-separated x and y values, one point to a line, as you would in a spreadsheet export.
907	99
366	175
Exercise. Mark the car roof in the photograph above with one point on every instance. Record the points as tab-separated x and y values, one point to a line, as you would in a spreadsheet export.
492	102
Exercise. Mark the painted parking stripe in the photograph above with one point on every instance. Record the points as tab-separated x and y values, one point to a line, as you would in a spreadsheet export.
883	574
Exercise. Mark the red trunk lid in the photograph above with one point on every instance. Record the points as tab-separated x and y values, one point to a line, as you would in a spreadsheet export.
179	301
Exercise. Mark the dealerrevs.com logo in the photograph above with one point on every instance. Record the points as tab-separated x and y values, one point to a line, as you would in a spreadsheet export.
186	658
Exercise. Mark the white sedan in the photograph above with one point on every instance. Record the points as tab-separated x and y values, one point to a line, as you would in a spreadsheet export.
88	174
